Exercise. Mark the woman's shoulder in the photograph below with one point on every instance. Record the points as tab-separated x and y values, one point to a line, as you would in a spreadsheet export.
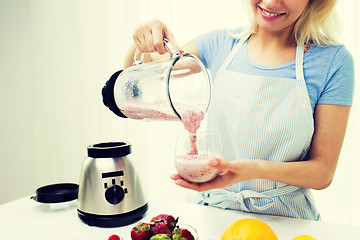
329	60
330	71
331	53
215	43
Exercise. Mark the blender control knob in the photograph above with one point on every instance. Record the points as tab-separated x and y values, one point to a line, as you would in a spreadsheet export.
114	194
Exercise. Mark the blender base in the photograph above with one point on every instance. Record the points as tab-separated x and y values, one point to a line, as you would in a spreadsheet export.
113	220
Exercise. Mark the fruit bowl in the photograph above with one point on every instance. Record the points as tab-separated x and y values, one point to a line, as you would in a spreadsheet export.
163	226
190	228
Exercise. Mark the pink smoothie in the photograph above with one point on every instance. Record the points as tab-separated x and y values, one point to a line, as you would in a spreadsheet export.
157	113
191	120
194	168
190	117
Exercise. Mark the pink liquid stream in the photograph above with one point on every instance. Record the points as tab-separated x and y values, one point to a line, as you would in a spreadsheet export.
190	118
192	166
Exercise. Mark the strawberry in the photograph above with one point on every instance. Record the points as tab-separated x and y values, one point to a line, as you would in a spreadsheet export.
169	220
182	234
141	231
114	237
160	237
159	227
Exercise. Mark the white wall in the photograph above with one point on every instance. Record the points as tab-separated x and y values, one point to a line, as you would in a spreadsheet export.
18	172
55	56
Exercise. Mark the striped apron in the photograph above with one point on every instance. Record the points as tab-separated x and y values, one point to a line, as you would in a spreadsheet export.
265	118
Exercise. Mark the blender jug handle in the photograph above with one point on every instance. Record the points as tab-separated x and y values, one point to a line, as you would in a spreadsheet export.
169	47
141	60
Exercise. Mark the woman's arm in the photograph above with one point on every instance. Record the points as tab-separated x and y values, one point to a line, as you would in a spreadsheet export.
315	173
319	170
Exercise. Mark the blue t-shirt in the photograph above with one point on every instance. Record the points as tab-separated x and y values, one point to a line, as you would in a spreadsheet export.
328	71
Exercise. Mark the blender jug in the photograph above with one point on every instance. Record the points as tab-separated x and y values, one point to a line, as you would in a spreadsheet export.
160	90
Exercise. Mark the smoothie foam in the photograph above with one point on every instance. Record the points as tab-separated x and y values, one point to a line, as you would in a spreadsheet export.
194	168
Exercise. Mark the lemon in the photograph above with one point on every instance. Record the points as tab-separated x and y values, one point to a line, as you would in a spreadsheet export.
304	237
248	229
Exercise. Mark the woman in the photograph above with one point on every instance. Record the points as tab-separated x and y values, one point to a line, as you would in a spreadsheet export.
282	95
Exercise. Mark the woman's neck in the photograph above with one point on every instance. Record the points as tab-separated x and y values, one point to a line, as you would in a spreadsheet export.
283	39
271	48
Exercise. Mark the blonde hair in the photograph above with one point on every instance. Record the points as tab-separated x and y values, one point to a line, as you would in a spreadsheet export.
318	24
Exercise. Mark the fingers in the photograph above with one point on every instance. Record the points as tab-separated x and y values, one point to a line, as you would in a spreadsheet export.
148	37
225	178
158	42
185	184
229	174
178	180
175	176
218	182
142	38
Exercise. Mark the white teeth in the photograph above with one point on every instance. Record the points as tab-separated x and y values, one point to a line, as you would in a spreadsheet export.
269	13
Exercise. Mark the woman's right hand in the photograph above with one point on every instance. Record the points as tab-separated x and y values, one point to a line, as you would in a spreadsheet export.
148	37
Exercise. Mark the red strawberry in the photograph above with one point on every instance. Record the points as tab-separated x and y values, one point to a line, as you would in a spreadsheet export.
141	231
160	237
114	237
169	220
182	234
159	227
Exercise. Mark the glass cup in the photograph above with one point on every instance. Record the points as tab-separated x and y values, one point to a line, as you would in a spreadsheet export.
193	152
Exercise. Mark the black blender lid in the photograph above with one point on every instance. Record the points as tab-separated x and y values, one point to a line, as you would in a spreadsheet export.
56	193
109	150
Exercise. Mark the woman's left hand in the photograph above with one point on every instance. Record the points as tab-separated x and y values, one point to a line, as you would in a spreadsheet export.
232	172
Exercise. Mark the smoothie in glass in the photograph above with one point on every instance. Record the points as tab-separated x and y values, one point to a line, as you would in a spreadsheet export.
194	168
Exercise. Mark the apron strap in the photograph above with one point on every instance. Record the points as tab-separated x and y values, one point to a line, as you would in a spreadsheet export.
223	198
231	55
299	64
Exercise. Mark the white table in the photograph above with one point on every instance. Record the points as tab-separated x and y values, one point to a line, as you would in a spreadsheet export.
26	219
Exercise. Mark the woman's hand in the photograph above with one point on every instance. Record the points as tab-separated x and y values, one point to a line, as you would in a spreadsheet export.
148	37
232	172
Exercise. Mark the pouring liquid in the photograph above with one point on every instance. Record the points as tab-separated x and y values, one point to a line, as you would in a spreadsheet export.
192	166
191	120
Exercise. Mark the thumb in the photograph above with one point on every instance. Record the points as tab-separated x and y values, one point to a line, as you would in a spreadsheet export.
220	164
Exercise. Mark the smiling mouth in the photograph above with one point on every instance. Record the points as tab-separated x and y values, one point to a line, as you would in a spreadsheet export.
270	14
